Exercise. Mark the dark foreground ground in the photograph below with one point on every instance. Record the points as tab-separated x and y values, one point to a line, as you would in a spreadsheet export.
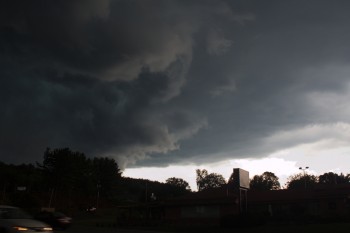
268	228
106	223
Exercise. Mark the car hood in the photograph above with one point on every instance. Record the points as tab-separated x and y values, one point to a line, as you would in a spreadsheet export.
26	223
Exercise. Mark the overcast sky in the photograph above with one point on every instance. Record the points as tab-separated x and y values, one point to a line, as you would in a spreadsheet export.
178	85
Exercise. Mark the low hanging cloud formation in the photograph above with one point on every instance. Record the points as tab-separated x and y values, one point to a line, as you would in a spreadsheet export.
96	76
167	82
217	44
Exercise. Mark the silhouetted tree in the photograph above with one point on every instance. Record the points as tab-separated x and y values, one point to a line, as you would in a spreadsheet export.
201	174
75	177
106	175
333	178
140	190
231	179
67	174
178	182
266	181
301	181
64	168
207	181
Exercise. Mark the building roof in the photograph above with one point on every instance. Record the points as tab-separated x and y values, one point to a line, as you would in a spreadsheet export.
227	195
317	193
221	195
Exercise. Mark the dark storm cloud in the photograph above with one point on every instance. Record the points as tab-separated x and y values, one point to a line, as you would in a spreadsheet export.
262	85
159	82
96	76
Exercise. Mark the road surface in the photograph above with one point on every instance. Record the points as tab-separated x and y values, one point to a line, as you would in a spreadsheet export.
93	229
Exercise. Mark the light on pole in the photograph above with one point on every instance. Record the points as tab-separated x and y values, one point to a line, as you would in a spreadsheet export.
304	172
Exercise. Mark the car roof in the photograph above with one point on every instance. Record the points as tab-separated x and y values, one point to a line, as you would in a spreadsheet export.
7	206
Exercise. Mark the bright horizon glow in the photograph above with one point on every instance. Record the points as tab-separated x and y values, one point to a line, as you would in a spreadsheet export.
279	166
283	164
326	150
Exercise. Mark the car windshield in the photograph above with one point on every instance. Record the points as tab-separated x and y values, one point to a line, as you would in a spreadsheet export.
59	215
13	213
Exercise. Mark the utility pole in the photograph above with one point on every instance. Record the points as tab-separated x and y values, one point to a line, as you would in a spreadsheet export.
146	192
3	194
304	172
51	196
98	186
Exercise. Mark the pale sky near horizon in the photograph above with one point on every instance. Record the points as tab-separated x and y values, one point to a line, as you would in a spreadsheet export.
166	87
283	164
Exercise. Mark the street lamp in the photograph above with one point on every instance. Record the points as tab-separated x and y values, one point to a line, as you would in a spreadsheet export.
304	171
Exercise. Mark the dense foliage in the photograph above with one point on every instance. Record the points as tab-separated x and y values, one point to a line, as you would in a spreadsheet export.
178	182
207	181
333	178
307	181
301	181
68	179
265	181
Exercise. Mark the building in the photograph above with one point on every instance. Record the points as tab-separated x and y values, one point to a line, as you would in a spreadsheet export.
210	208
322	203
213	207
235	204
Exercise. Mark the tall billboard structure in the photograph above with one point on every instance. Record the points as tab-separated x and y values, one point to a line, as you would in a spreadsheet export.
241	181
241	178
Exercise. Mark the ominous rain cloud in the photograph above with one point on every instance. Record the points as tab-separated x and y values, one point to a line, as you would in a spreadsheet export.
159	82
95	76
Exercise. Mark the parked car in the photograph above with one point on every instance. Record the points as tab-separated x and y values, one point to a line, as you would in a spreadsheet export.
55	219
14	220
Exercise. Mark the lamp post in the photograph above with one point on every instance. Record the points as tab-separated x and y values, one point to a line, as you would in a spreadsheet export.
98	193
304	172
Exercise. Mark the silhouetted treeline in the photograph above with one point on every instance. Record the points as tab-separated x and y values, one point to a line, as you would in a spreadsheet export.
146	190
269	181
68	179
